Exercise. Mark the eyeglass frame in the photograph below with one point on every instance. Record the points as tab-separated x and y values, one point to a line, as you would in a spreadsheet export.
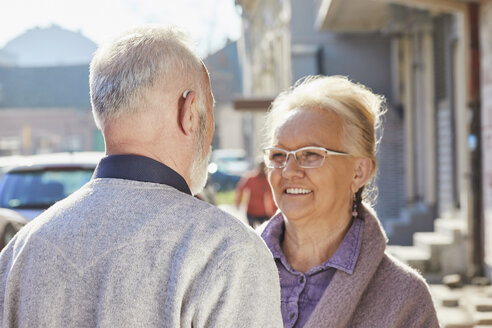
293	152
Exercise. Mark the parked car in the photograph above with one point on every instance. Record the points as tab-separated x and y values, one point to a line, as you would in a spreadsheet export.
8	161
226	168
33	183
10	223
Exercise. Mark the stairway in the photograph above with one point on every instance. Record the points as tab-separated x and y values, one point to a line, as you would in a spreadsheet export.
438	253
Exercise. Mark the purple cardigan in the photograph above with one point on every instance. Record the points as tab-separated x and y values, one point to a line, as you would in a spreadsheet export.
381	292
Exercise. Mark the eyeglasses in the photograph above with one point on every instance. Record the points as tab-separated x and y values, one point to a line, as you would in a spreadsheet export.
306	157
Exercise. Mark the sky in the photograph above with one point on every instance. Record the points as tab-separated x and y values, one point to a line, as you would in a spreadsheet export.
209	22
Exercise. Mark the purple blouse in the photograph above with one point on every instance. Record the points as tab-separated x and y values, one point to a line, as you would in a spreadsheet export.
300	292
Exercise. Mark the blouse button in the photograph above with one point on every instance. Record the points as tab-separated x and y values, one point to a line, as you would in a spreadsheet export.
301	279
292	315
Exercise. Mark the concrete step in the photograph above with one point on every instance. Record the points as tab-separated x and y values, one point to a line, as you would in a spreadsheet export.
453	257
415	257
480	305
429	240
455	318
435	243
401	230
482	318
456	228
463	307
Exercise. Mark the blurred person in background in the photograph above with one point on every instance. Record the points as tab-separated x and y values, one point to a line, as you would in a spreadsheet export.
327	241
259	204
133	247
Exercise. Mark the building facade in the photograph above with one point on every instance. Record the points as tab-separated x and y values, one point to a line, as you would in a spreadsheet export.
264	57
226	81
44	93
298	48
431	59
46	109
435	69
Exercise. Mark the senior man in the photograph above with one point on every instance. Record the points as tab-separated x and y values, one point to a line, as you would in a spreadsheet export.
133	247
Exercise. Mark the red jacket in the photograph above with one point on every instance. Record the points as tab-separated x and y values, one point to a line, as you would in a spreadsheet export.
260	200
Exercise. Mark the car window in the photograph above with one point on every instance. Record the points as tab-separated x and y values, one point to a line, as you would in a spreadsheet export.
40	189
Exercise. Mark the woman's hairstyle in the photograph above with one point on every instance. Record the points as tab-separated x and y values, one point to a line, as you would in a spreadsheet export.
123	70
359	108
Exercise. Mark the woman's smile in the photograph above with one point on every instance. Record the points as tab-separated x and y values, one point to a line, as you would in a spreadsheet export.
297	191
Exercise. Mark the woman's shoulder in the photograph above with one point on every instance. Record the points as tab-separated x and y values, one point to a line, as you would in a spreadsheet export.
397	296
404	285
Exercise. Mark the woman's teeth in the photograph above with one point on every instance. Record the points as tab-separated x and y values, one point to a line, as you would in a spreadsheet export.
297	191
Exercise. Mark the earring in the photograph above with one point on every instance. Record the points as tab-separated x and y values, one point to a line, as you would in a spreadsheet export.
354	207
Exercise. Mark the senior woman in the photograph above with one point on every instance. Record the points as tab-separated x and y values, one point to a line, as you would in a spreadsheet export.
328	245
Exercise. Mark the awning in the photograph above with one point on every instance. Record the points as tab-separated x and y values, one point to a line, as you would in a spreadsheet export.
351	15
252	104
370	15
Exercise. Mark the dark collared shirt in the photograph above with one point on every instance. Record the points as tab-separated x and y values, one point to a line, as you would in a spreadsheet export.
139	168
301	291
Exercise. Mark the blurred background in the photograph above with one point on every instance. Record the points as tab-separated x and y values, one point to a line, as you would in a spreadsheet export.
431	59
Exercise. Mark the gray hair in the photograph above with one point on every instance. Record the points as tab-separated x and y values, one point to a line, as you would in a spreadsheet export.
359	108
123	70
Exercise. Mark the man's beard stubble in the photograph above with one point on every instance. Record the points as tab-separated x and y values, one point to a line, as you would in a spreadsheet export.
199	165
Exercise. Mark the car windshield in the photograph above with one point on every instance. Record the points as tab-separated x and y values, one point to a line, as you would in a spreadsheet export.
232	159
40	189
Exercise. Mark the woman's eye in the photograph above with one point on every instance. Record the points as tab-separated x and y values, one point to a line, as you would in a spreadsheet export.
277	156
309	154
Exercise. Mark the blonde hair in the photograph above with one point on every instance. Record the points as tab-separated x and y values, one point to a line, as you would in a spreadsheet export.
359	108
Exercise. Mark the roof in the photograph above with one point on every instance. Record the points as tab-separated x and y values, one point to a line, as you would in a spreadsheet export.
35	87
50	46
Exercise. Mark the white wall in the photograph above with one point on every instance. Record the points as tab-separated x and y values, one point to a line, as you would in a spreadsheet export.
486	90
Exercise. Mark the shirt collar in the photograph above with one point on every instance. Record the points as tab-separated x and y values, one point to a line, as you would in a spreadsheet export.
344	258
140	168
274	234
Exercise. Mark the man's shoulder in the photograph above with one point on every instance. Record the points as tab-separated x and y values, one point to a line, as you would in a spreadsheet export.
140	212
162	202
220	222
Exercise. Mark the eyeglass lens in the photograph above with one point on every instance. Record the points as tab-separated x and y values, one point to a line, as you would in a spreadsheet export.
306	158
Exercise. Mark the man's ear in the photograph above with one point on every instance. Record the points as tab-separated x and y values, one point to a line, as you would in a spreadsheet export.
362	173
185	113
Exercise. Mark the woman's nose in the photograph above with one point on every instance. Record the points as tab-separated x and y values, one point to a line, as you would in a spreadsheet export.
291	168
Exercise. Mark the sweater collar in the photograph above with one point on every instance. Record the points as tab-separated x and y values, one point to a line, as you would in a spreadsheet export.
350	288
139	168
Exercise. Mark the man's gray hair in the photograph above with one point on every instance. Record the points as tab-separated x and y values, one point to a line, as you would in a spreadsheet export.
123	70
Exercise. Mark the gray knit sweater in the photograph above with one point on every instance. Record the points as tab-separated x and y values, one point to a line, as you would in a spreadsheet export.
121	253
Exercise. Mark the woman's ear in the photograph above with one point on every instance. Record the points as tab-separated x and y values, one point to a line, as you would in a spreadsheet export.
362	173
185	113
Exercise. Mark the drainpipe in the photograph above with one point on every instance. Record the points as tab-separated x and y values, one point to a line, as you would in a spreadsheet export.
475	220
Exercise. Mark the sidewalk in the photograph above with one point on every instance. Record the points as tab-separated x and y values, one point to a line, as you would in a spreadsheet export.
464	307
238	213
